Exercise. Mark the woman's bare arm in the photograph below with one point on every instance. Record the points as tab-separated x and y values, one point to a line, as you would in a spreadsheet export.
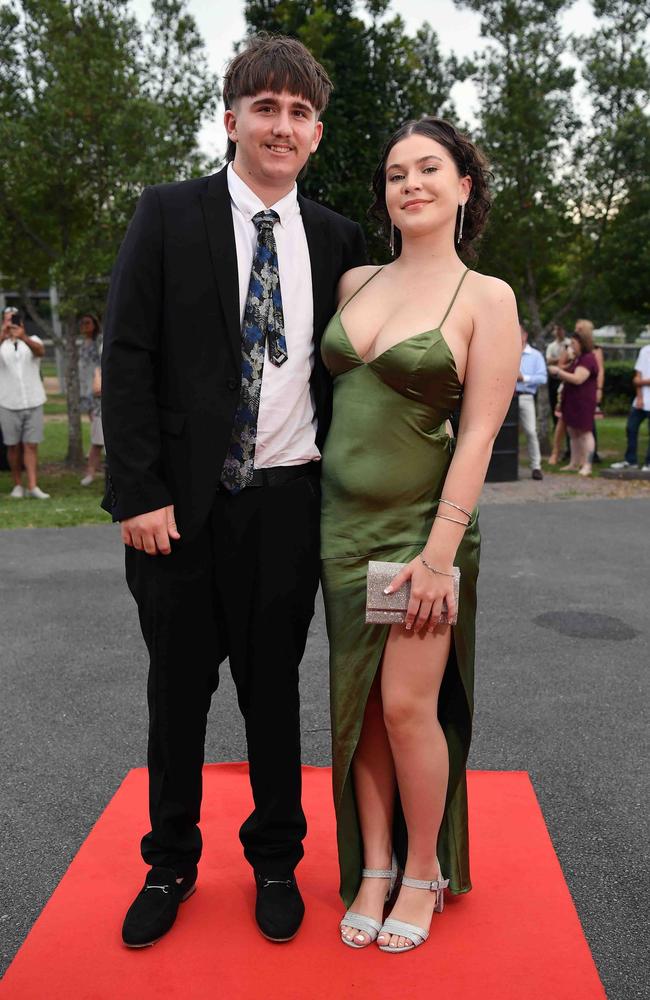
492	366
491	373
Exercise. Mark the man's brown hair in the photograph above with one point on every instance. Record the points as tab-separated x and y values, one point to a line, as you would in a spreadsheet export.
275	63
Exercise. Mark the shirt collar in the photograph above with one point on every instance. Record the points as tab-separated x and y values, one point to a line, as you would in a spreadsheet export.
526	349
247	202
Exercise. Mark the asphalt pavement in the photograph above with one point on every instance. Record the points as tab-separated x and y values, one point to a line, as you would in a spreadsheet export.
561	692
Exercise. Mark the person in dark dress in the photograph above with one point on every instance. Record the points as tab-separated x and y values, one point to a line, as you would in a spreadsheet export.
579	396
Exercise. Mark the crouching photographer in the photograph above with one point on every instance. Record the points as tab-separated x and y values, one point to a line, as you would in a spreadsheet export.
22	396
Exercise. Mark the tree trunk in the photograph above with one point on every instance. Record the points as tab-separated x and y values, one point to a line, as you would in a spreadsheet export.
74	456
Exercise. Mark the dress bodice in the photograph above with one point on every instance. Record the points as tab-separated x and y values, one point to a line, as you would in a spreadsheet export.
387	451
420	368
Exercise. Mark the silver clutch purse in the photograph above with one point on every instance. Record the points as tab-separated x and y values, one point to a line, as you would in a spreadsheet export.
390	609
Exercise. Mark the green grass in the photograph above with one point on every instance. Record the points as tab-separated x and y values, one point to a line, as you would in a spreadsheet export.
611	443
55	405
70	503
611	437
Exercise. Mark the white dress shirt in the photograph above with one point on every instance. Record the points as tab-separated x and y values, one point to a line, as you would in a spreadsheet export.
642	365
21	386
533	368
286	422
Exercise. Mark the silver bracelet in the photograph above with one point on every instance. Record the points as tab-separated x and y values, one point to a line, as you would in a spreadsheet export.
433	569
456	505
455	520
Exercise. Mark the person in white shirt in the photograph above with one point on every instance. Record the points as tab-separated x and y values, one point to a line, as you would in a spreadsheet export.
22	396
639	411
532	374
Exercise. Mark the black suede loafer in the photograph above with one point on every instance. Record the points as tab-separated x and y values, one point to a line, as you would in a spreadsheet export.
153	911
279	908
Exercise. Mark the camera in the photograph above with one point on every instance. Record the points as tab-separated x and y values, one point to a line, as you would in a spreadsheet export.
14	317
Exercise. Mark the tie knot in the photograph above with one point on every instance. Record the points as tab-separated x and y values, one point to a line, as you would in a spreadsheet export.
266	220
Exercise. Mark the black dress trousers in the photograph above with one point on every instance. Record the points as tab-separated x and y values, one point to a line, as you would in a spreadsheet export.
243	588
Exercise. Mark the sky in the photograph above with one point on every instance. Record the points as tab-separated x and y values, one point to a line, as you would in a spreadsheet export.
222	24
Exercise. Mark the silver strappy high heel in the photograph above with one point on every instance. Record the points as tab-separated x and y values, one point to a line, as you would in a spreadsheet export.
360	921
417	935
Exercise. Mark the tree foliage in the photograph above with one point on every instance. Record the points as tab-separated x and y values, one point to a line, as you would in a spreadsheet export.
612	158
92	108
570	175
527	122
382	77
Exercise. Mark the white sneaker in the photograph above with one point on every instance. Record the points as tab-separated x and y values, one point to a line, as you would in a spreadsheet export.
624	465
87	480
37	494
17	493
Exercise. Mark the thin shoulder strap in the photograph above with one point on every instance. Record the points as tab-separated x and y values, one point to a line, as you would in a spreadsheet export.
367	281
449	307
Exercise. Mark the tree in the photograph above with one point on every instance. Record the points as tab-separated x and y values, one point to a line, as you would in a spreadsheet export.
91	109
526	123
612	163
382	77
565	179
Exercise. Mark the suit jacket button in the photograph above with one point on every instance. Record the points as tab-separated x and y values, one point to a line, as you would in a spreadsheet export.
232	383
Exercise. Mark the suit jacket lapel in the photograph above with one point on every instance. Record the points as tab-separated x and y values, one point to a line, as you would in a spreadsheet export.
318	241
217	214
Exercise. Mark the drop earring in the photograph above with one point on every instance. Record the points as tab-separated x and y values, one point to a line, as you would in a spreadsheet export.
462	219
392	239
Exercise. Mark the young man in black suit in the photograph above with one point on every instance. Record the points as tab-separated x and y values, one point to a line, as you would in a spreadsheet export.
215	405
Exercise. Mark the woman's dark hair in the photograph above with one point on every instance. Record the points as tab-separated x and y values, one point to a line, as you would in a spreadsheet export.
275	63
469	160
97	329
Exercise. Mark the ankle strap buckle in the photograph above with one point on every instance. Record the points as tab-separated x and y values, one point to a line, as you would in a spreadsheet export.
431	886
164	888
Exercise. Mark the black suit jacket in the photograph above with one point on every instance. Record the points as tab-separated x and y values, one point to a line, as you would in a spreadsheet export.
171	361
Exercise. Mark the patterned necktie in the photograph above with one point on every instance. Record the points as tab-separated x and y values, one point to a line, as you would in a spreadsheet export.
263	324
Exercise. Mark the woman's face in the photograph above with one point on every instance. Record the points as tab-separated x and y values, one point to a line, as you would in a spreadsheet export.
423	187
576	346
86	326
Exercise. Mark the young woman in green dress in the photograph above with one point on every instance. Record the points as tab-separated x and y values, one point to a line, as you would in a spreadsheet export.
409	339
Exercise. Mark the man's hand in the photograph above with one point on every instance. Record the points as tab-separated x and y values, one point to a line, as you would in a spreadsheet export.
152	532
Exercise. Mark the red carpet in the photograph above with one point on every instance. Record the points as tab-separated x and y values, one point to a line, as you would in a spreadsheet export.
516	936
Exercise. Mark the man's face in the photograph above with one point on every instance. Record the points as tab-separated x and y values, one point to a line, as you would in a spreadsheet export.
275	134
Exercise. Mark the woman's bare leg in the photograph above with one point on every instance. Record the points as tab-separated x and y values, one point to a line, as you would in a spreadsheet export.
414	665
558	438
374	788
575	449
94	460
587	448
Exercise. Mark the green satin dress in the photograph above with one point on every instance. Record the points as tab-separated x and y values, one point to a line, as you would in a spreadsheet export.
384	465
